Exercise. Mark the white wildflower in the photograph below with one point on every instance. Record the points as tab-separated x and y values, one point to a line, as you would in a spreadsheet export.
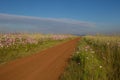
87	47
92	51
100	66
87	57
77	52
108	43
86	50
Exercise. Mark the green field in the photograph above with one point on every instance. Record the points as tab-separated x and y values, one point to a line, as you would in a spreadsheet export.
96	58
17	45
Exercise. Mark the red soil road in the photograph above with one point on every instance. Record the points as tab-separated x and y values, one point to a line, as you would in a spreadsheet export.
46	65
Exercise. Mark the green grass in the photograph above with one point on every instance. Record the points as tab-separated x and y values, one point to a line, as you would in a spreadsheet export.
96	58
84	65
14	52
108	50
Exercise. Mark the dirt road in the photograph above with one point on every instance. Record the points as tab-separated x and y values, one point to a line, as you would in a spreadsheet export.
46	65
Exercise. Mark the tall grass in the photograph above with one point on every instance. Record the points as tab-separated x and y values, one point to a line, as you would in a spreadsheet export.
19	51
108	50
84	65
96	58
16	45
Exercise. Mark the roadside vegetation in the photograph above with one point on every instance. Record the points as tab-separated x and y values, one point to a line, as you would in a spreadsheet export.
96	58
17	45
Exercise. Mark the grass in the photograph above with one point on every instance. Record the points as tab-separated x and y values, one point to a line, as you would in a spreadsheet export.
14	52
108	50
17	45
96	58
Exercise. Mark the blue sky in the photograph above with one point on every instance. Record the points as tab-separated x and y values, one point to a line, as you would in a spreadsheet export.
60	16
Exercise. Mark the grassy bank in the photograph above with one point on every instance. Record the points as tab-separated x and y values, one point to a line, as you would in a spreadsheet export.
17	45
96	58
14	52
108	51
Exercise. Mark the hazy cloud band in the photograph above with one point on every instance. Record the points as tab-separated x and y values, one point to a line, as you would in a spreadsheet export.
47	25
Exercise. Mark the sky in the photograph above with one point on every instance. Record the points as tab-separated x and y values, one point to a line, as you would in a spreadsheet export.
60	16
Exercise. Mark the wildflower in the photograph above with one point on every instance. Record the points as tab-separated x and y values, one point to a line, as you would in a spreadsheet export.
86	50
100	67
92	51
87	57
7	45
77	52
108	43
87	47
1	45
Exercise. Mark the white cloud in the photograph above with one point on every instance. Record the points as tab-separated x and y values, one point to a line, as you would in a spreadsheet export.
44	24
